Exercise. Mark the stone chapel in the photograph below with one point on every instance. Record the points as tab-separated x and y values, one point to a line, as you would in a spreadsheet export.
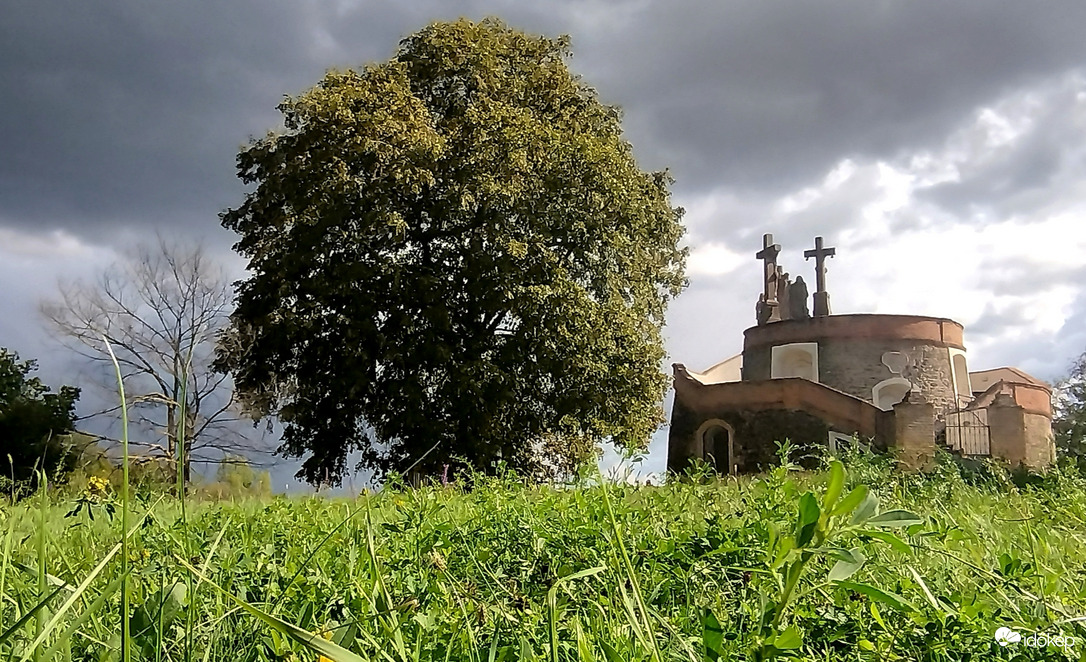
900	383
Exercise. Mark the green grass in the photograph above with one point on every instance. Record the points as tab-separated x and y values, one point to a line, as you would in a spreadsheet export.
704	569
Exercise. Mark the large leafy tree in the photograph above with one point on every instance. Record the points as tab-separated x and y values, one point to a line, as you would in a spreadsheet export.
36	424
454	258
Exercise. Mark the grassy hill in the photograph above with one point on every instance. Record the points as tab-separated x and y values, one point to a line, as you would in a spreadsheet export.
860	564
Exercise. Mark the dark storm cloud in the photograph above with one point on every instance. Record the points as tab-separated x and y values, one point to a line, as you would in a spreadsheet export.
765	94
131	113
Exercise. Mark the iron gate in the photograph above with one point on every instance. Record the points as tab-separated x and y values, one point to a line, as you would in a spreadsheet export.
967	432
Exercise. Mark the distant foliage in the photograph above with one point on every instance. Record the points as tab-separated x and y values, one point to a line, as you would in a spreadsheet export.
234	478
454	259
1069	425
35	424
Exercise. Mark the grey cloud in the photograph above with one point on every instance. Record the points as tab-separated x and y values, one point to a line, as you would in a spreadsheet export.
1021	178
994	321
1006	337
770	94
127	113
1038	354
1023	277
120	116
131	113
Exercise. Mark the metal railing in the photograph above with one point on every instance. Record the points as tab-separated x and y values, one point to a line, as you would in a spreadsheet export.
967	432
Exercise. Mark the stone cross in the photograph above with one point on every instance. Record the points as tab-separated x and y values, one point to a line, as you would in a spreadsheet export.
821	297
768	255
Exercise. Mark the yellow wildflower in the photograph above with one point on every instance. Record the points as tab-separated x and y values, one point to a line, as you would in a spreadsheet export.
97	486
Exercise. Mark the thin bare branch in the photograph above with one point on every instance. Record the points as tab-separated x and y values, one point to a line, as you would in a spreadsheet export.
158	306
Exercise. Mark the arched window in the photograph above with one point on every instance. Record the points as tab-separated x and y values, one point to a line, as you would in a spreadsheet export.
795	360
889	392
961	376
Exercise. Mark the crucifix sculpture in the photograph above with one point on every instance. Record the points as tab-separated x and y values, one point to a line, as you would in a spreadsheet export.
821	297
768	255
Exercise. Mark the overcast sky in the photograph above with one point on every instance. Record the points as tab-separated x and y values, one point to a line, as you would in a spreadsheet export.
941	147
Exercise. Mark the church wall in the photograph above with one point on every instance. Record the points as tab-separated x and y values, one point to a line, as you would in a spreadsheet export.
682	444
934	330
1035	399
760	414
851	350
1037	431
756	433
856	367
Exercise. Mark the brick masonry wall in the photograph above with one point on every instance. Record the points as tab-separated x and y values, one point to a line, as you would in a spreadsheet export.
914	434
1007	427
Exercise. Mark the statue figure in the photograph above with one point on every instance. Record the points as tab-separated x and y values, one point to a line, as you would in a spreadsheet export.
768	255
762	310
784	285
797	300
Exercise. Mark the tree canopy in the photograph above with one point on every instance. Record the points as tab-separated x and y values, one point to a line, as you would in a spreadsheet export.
35	424
454	258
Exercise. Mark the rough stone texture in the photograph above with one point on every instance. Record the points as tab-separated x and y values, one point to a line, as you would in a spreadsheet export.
683	445
761	413
1007	430
1039	442
851	349
756	434
914	432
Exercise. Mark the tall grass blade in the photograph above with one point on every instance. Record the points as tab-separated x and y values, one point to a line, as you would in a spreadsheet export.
552	603
78	621
79	590
126	652
314	642
43	511
4	564
32	613
638	609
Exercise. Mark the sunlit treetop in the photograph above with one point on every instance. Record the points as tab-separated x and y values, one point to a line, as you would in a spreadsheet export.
453	257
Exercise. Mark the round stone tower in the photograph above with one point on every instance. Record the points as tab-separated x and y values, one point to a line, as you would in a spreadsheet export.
877	358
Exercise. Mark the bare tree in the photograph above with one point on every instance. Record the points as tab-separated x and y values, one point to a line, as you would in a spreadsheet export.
161	308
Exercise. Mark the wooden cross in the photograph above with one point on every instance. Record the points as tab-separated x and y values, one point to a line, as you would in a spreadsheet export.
768	255
820	253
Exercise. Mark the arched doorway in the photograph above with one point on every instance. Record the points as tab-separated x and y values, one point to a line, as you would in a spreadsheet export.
718	445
